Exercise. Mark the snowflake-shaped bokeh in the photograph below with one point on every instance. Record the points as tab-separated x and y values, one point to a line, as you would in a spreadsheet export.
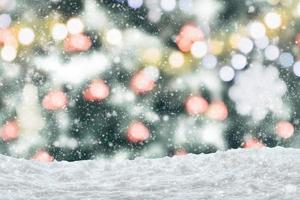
258	91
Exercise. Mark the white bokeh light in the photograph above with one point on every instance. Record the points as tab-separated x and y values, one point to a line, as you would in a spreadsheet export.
272	20
26	36
135	3
199	49
168	5
75	25
272	52
238	61
262	42
245	45
5	20
209	61
286	59
59	31
114	37
296	68
257	30
226	73
8	53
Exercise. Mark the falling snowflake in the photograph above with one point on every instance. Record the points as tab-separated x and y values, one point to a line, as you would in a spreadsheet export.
257	91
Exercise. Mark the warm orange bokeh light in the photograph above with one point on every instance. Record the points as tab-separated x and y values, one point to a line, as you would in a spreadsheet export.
142	83
96	91
188	34
284	129
195	105
9	131
137	132
55	100
217	110
42	156
77	43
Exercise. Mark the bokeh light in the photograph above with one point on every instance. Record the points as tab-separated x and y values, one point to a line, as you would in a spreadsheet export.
284	129
9	131
96	91
137	132
195	105
55	100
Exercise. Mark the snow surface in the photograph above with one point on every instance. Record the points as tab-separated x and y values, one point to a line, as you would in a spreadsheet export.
235	174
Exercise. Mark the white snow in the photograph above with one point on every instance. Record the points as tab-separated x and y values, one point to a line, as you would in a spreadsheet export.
234	174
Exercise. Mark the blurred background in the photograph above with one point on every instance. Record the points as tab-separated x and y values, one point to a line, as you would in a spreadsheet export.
118	79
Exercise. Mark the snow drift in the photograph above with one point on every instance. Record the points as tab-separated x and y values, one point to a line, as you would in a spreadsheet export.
235	174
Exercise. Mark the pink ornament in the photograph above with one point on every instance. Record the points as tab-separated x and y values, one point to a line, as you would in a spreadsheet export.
217	110
195	105
42	156
142	83
55	100
253	143
9	131
284	129
137	132
96	91
77	43
188	34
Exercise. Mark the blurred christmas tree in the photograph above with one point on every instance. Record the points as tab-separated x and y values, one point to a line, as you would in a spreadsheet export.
89	79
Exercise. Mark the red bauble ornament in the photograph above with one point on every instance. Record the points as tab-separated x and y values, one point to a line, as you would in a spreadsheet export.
195	105
55	100
9	131
96	91
77	43
137	132
284	129
217	110
142	83
187	36
42	156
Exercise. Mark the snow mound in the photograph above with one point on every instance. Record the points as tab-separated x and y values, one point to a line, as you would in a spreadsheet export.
234	174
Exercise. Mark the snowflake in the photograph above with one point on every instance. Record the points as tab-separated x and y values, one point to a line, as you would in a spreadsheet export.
257	91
